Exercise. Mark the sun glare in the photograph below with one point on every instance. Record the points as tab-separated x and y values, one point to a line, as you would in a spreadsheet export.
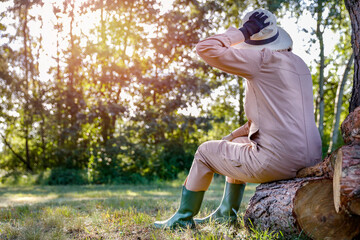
84	23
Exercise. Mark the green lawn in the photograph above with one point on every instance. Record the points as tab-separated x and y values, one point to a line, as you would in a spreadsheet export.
106	212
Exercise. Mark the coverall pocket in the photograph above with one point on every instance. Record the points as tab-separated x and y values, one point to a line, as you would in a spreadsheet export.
241	167
235	163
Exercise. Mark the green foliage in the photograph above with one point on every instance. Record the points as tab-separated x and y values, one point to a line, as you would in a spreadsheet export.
172	159
111	107
108	111
63	176
18	178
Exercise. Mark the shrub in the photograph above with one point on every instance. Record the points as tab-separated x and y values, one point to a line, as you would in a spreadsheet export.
65	176
18	178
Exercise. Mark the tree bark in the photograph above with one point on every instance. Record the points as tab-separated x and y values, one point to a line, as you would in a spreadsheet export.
322	169
350	127
300	206
353	6
346	179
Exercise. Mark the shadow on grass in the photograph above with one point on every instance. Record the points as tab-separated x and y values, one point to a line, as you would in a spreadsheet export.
20	195
102	211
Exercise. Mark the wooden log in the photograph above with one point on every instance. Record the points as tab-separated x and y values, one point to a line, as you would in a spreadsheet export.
350	127
322	169
346	180
343	166
300	206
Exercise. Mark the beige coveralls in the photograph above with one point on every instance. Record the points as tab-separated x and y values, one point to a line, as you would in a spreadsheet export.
280	137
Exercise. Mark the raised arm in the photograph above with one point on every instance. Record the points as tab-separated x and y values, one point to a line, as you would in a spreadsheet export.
217	52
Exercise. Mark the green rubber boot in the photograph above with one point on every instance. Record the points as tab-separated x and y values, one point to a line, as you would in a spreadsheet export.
189	206
229	206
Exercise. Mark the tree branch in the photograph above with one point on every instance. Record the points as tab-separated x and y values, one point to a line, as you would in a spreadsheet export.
13	151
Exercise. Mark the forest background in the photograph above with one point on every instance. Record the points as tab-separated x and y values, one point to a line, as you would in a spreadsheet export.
100	91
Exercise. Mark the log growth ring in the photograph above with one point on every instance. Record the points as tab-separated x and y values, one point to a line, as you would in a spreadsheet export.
315	213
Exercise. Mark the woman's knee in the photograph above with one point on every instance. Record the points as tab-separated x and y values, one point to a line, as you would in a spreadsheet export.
202	151
202	147
210	146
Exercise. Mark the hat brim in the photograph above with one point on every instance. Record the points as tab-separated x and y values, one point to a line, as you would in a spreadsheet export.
283	42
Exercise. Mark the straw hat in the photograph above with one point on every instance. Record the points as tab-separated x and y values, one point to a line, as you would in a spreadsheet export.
272	36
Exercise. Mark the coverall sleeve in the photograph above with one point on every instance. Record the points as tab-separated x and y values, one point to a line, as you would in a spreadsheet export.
242	131
217	52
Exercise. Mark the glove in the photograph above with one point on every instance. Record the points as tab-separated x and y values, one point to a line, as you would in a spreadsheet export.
254	25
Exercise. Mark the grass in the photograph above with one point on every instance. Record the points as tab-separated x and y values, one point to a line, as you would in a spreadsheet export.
109	212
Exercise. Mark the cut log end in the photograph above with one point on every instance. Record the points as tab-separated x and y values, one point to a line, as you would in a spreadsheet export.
315	213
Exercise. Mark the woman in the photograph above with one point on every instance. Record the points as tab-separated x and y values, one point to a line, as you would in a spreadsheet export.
280	136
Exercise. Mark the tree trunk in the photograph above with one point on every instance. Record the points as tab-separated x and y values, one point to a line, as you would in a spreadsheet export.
59	90
319	35
338	104
27	113
353	6
298	207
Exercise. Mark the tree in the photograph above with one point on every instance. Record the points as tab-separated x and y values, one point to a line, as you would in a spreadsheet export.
338	105
331	19
114	102
353	7
24	86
